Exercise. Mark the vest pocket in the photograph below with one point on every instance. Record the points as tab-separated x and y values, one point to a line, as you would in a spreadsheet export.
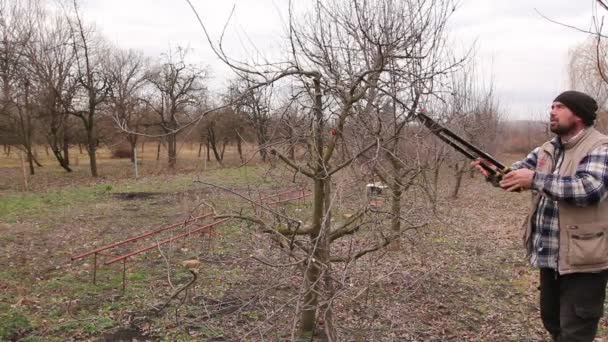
588	245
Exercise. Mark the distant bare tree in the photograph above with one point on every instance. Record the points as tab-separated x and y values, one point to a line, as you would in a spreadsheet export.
471	110
16	102
215	130
588	63
51	60
292	127
177	89
254	104
127	73
90	52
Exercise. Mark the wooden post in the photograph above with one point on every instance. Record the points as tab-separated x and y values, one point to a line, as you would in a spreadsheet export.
135	162
24	169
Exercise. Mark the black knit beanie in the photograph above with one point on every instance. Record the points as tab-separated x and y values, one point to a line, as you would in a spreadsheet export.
581	104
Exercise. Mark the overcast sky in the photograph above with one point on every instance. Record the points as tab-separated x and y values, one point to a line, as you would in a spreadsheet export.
524	54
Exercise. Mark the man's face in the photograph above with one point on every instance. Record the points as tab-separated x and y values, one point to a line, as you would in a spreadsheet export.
562	119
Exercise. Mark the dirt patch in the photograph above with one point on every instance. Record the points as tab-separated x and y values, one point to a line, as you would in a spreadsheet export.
125	334
134	195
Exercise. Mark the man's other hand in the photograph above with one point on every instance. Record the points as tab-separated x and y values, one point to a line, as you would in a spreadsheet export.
517	179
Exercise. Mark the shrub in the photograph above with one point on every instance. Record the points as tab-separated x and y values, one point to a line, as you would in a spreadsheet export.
121	151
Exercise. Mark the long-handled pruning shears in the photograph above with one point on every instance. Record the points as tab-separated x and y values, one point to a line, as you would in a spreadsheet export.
495	174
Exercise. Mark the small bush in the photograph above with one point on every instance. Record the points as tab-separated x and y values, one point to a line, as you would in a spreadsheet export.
121	153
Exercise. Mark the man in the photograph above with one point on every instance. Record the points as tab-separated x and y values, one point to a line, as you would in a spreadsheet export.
566	231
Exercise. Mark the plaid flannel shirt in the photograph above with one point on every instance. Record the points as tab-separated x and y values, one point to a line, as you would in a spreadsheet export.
587	186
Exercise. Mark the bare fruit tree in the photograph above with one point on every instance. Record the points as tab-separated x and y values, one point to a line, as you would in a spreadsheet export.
341	56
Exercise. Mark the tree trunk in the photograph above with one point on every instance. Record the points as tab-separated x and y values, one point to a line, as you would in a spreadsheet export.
172	149
224	143
262	137
30	159
158	150
36	160
57	142
66	149
208	151
61	159
460	171
326	309
91	143
133	150
312	273
263	152
216	153
396	208
91	147
212	141
239	148
93	159
200	148
319	239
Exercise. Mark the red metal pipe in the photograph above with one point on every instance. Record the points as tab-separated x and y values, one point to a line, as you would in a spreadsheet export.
138	237
125	256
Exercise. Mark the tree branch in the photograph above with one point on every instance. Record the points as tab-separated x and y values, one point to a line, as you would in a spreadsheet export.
385	241
344	229
346	163
291	164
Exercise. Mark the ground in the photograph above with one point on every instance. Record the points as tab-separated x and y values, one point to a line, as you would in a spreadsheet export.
462	277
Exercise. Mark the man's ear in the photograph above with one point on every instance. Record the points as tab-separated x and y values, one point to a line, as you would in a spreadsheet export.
578	119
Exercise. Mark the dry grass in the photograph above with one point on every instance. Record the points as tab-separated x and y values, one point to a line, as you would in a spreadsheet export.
110	169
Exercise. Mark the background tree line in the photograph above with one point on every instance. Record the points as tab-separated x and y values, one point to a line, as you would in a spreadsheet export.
64	84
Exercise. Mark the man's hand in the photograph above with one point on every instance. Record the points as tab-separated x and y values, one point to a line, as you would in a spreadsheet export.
518	179
477	164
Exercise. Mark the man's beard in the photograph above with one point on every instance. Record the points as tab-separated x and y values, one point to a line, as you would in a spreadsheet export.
562	129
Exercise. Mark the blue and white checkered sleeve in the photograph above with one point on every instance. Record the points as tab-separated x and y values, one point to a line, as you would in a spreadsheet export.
529	162
589	185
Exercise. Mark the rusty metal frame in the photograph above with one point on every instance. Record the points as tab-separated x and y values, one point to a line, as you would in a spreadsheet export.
162	242
300	193
98	251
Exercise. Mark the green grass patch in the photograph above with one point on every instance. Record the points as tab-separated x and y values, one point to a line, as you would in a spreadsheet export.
13	324
238	176
84	326
246	175
72	286
19	205
15	206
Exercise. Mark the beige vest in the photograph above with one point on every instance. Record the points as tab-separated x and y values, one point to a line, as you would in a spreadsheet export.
583	231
